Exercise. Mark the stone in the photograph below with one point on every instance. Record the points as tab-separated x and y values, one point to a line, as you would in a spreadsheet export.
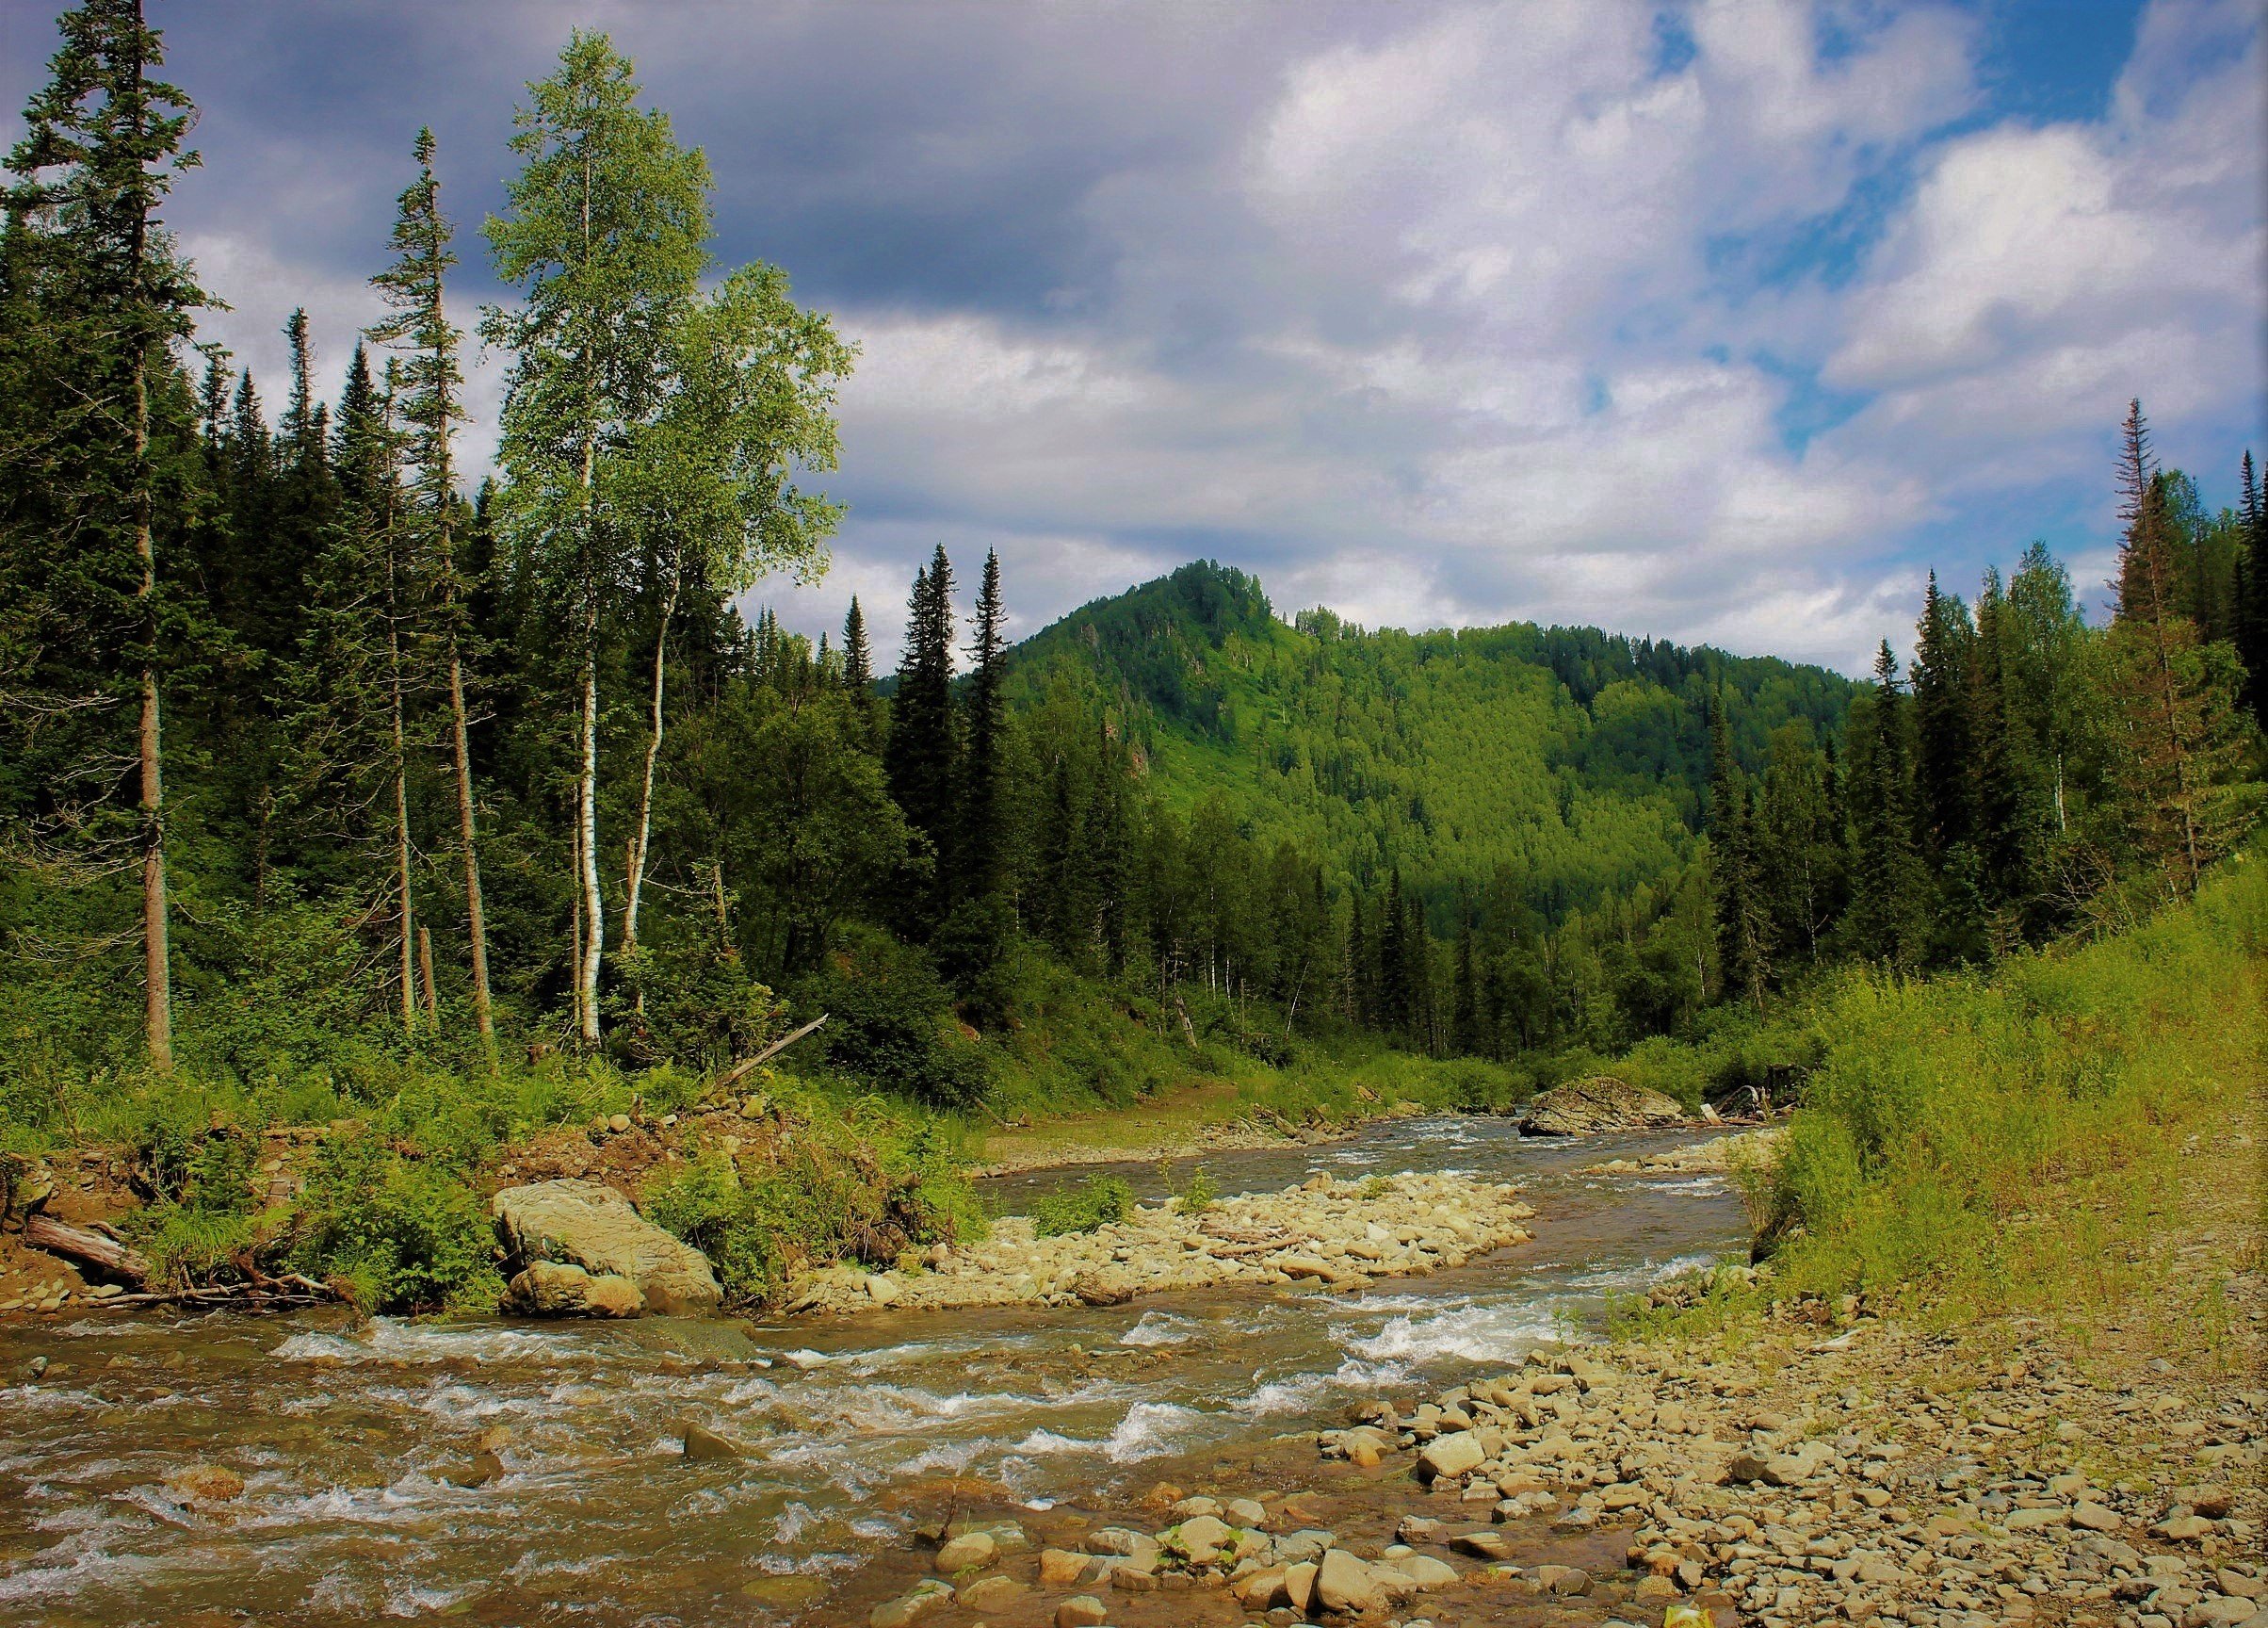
587	1224
1425	1573
2036	1520
2212	1502
992	1593
1602	1102
969	1549
618	1123
1798	1465
1060	1568
705	1446
1138	1547
548	1289
882	1289
478	1471
1081	1611
205	1484
1566	1581
908	1608
1246	1512
1299	1586
1483	1545
1260	1590
1343	1583
1200	1538
1450	1454
2094	1518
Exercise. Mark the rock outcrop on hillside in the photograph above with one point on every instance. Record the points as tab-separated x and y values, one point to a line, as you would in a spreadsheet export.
1602	1102
581	1248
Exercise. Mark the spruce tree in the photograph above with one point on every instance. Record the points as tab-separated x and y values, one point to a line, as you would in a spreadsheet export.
432	407
858	660
1945	765
922	755
2251	592
92	266
1884	871
982	839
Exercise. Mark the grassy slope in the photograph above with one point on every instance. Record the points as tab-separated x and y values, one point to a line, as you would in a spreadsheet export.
1974	1146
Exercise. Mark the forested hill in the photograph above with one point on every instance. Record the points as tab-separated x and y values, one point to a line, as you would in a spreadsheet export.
1565	764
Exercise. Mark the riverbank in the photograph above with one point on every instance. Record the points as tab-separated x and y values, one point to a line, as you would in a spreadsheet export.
1804	1464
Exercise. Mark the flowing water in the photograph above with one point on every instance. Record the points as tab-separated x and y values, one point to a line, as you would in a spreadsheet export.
351	1443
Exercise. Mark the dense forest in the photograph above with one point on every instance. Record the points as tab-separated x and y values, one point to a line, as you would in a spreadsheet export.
320	746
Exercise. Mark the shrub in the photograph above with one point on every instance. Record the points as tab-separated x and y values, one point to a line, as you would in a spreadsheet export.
1198	1197
1103	1200
398	1234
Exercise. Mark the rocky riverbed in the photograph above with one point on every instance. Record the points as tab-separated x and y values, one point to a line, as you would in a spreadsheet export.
1333	1231
1839	1479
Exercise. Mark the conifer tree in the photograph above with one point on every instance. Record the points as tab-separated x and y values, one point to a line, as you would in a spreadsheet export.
1465	1001
1944	755
91	265
432	407
2251	591
858	662
1883	869
922	757
979	854
2176	696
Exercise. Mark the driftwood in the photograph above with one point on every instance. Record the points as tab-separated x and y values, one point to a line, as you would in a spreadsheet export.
85	1248
104	1253
741	1070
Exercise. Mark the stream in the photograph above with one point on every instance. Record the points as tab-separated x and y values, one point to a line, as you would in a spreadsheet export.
350	1442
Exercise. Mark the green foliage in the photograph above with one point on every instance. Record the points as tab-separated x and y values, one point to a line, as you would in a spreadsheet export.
1103	1200
398	1234
1198	1196
890	1020
860	1178
1948	1113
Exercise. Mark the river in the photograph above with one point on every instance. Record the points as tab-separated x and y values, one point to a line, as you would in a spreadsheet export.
350	1442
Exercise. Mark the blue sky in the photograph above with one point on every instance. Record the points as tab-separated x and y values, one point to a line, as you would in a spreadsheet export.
1716	322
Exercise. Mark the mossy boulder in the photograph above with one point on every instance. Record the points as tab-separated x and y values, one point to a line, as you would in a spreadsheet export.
1602	1102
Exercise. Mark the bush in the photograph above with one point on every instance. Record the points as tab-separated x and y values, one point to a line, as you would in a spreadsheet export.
865	1179
1103	1200
1198	1197
888	1020
398	1234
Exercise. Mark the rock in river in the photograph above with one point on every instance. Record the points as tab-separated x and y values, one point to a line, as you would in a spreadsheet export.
591	1226
1602	1102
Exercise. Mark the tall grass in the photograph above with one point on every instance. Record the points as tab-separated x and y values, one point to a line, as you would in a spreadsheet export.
2003	1140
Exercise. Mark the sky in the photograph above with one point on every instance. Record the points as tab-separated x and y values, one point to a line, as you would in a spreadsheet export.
1721	321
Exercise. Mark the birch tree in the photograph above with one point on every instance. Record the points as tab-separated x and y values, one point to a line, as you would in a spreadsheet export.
604	233
712	480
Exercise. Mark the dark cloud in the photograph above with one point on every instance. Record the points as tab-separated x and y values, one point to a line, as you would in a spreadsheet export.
1714	320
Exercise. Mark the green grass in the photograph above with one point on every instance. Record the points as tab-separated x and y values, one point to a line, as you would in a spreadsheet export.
1972	1144
1103	1200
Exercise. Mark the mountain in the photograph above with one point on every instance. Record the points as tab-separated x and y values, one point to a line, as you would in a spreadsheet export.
1567	763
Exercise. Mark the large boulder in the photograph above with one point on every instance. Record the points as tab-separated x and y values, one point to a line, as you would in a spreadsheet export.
1602	1102
591	1226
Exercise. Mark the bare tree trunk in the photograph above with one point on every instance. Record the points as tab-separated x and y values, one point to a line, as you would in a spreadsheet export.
594	919
401	820
724	924
424	978
574	866
474	915
642	835
157	980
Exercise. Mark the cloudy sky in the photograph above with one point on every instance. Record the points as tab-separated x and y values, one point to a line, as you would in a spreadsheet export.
1716	322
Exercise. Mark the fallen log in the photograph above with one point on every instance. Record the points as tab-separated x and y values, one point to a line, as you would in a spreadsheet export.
84	1248
741	1070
